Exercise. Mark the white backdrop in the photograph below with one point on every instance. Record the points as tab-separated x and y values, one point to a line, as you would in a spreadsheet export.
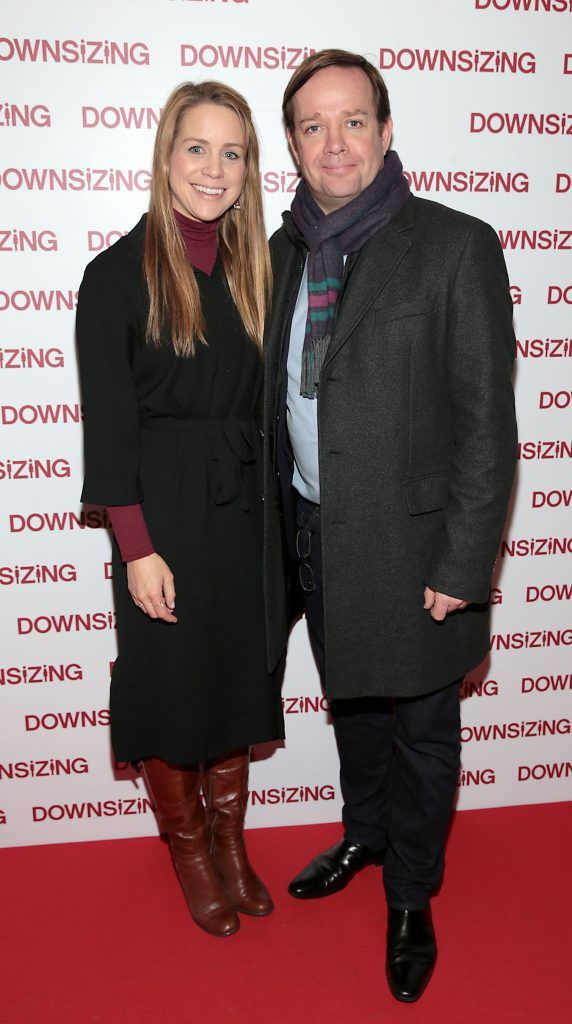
480	93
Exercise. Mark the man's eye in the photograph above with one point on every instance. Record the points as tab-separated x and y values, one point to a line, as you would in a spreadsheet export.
312	129
355	123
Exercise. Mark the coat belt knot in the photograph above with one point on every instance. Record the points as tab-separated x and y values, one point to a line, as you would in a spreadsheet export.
235	446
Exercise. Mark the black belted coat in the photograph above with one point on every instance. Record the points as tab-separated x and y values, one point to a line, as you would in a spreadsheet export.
417	449
182	436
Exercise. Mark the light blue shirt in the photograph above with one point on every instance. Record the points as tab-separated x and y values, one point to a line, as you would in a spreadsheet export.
302	413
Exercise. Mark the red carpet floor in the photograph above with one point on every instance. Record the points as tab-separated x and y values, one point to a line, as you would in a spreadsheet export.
97	932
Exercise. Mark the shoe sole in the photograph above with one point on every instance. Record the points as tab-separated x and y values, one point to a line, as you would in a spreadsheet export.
254	913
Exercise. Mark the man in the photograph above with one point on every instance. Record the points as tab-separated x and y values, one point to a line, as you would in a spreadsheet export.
390	451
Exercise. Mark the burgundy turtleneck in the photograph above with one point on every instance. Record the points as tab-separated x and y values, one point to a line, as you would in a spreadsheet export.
201	240
129	526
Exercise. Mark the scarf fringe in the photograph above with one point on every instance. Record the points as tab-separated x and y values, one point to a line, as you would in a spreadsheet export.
312	363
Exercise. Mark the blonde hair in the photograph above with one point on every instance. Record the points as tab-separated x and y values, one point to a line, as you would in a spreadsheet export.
173	291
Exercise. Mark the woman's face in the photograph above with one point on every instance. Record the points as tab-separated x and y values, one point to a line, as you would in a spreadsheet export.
207	165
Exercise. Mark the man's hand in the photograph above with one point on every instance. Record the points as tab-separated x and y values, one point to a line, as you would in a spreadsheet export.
440	605
152	587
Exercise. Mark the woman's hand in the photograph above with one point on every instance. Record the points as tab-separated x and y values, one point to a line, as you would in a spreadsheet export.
152	587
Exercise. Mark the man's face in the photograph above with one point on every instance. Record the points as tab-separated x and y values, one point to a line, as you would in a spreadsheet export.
337	141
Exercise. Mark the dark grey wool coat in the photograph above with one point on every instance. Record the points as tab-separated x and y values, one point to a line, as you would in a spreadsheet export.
417	449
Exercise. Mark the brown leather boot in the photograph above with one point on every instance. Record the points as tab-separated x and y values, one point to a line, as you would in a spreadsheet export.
180	813
226	790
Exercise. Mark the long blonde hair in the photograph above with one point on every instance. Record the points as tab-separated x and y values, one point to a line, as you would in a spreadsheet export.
173	291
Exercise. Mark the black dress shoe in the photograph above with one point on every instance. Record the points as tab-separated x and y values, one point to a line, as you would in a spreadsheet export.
332	870
411	952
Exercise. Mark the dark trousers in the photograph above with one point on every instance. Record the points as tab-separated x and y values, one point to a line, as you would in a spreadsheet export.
399	758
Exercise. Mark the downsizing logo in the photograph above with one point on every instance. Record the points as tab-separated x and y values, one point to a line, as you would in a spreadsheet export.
67	720
303	705
541	239
539	772
36	522
558	449
487	62
24	358
531	639
536	547
292	795
16	675
544	348
499	122
468	181
96	809
18	240
515	730
22	300
72	623
32	414
268	58
25	115
43	769
34	469
476	777
120	117
74	179
73	51
20	575
526	6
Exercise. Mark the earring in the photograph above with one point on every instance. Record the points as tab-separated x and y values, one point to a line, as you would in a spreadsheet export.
237	204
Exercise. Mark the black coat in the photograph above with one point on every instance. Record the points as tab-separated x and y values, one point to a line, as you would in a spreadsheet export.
417	449
182	436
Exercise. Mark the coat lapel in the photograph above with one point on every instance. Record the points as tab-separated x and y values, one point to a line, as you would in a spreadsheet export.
375	265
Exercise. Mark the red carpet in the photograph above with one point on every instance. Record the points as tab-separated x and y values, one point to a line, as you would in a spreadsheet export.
98	932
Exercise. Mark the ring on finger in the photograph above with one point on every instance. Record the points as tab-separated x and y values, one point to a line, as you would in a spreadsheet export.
160	605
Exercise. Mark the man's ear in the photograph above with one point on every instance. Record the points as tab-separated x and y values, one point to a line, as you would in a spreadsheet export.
386	131
292	146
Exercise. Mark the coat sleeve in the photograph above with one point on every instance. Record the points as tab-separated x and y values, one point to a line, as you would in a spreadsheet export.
481	350
106	330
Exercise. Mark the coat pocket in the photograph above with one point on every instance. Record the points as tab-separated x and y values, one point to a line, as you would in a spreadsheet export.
404	311
426	493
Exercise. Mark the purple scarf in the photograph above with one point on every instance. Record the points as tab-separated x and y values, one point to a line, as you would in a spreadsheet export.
329	237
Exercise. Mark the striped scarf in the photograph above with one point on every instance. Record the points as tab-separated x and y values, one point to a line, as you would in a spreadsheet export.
329	237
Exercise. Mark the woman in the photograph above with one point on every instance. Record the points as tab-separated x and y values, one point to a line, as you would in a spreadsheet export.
170	323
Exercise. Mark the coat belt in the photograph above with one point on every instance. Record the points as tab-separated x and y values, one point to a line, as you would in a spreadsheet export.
236	444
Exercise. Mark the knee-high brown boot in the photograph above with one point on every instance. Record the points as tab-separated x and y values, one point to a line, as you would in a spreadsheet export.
226	791
180	813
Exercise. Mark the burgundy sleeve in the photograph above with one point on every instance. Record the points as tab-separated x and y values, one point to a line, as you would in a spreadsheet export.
130	531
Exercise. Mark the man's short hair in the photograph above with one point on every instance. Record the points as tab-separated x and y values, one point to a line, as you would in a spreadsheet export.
332	59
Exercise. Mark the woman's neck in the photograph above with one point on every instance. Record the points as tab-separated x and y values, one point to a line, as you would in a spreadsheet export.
200	238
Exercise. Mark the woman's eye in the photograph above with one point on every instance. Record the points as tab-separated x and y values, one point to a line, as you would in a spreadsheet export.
231	156
195	149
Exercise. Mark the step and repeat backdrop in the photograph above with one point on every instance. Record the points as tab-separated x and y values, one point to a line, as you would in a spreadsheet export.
481	94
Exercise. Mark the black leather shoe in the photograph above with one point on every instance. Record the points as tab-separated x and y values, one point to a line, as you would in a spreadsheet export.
411	952
332	870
